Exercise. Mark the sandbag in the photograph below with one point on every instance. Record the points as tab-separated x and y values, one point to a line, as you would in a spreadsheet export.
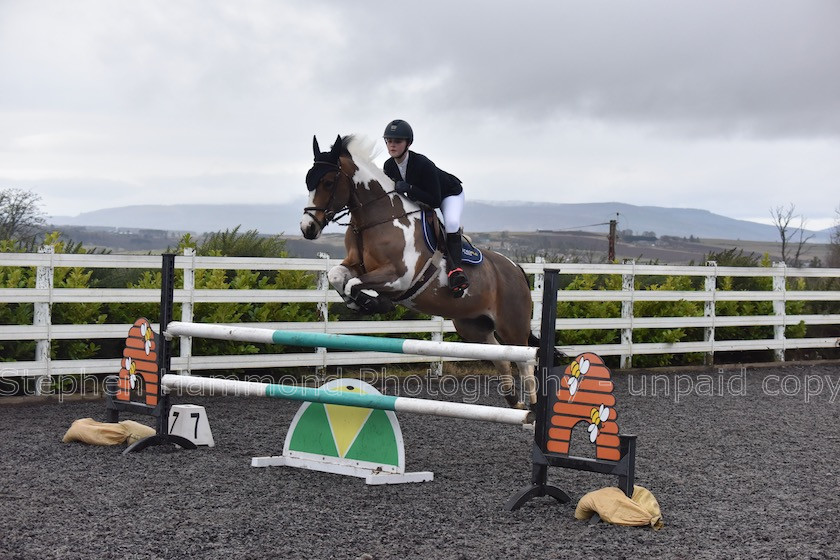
613	506
88	430
137	431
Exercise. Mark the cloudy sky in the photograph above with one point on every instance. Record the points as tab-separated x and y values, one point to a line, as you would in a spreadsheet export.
725	105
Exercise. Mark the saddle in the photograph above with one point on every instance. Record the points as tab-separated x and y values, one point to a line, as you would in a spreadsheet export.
434	236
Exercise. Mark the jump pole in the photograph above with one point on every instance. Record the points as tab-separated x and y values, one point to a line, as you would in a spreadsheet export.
205	385
354	342
542	456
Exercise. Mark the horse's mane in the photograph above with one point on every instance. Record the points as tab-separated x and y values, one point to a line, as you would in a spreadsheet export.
363	150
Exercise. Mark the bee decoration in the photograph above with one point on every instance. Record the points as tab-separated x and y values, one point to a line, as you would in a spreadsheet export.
578	370
599	416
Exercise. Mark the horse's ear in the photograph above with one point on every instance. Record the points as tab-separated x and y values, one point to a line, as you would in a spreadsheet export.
315	149
336	148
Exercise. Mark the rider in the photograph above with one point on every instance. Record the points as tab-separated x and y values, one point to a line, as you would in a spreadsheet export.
416	177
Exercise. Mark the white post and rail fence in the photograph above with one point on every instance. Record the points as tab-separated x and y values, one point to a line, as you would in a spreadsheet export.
45	295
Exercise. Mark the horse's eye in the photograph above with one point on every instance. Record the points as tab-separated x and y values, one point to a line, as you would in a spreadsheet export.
329	184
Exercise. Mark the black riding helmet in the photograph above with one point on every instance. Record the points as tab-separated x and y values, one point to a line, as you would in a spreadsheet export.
399	129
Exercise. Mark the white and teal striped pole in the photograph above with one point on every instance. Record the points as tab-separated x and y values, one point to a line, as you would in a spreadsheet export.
354	342
193	385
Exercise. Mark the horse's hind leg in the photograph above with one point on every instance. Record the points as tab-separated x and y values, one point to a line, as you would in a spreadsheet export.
509	335
507	385
529	381
476	330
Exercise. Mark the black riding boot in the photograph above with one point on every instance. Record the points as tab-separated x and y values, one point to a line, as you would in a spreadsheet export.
457	279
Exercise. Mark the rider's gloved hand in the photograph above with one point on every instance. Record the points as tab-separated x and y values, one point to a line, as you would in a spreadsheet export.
402	187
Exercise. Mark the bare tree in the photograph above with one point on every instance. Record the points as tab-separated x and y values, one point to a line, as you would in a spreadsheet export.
21	217
790	235
834	247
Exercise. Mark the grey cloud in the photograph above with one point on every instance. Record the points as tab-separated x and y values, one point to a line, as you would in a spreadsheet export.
755	68
589	100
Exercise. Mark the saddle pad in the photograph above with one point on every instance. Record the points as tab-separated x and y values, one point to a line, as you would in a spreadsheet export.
470	254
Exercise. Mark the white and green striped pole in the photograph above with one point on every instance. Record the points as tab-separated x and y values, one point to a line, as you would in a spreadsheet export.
354	342
193	385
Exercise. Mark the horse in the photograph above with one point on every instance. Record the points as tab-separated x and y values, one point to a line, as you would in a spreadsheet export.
388	262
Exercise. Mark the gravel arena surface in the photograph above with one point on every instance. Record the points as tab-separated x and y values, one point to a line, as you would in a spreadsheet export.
744	464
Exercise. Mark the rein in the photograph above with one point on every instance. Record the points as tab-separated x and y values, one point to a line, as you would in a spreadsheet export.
360	229
333	216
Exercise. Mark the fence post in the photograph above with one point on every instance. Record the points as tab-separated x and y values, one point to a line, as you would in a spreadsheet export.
537	292
436	368
780	285
42	316
709	312
323	308
628	283
188	307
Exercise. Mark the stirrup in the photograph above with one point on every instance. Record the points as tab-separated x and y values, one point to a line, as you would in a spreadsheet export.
460	283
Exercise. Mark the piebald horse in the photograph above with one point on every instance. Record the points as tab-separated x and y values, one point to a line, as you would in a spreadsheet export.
388	261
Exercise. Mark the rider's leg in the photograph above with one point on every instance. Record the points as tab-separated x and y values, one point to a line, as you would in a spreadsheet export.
457	279
451	208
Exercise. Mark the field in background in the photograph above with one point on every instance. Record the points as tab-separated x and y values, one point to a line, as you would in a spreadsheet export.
587	247
574	246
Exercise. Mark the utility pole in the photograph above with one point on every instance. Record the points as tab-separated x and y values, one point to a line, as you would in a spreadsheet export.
611	251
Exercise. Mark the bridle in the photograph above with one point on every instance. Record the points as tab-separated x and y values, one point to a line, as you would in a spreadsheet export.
329	214
353	203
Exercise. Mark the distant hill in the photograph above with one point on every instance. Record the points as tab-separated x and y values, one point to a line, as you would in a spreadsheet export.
478	217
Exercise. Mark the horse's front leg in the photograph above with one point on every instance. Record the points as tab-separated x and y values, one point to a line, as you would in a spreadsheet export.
361	293
371	288
339	276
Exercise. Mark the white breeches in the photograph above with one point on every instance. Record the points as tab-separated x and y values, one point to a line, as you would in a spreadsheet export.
451	208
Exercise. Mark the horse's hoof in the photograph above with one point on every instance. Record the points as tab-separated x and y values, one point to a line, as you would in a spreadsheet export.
370	308
384	305
366	304
377	305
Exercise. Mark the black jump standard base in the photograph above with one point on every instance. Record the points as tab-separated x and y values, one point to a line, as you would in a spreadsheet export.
153	402
567	395
549	377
